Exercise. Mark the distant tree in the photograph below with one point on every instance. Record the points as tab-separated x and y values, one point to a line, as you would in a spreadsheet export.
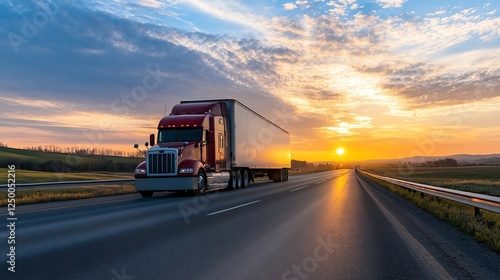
325	166
298	164
447	162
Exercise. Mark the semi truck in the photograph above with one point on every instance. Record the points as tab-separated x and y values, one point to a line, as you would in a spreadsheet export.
205	145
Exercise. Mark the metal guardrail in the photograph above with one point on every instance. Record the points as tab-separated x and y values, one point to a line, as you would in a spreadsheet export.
69	183
478	201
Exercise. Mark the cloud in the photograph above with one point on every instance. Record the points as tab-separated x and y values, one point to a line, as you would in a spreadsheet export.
434	34
331	55
340	8
436	89
91	63
37	103
151	3
438	13
345	128
391	3
328	63
230	11
289	6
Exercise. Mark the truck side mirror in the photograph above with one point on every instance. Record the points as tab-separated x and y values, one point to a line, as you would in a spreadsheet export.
137	147
152	139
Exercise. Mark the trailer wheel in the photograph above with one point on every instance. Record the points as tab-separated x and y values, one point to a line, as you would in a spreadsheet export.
146	193
284	175
277	175
245	180
238	179
233	182
202	183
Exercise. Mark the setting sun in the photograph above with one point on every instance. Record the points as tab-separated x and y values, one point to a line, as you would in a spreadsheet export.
340	151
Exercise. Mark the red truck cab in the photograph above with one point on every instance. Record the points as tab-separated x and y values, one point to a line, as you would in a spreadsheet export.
193	152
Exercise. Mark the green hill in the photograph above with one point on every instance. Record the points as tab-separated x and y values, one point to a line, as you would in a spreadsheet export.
60	162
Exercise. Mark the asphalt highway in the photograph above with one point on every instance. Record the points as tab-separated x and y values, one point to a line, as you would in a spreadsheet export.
328	225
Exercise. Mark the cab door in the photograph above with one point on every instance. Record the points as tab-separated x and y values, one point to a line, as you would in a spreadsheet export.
221	144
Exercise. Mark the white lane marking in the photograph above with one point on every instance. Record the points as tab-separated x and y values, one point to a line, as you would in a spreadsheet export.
299	188
232	208
320	182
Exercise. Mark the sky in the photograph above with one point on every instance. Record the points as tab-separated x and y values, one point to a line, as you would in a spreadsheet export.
382	78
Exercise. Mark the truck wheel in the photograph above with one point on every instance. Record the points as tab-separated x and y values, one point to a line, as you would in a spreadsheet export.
245	179
202	183
238	179
273	176
146	193
233	183
277	175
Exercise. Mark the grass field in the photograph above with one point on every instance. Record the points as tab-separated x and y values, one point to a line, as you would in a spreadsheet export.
60	162
11	153
477	179
28	176
49	166
41	195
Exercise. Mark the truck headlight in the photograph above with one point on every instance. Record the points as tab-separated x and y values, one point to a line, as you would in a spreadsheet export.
186	170
140	171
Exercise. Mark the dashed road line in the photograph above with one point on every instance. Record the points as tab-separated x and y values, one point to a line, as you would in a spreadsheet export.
299	188
232	208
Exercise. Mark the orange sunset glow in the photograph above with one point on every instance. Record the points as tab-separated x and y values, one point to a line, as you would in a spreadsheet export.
390	80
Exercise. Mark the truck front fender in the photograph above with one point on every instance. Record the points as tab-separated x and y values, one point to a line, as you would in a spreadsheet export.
189	167
140	170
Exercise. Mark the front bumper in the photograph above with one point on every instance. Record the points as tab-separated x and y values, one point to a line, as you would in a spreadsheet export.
166	184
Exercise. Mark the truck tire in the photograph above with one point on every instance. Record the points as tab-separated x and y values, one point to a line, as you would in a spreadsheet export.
202	183
285	174
146	193
245	179
277	175
233	181
238	179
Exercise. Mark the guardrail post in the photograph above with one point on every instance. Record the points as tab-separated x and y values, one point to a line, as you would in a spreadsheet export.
477	212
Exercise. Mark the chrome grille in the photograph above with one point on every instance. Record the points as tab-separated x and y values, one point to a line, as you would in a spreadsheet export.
162	162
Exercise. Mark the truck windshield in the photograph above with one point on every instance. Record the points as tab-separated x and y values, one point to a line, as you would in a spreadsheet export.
180	135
